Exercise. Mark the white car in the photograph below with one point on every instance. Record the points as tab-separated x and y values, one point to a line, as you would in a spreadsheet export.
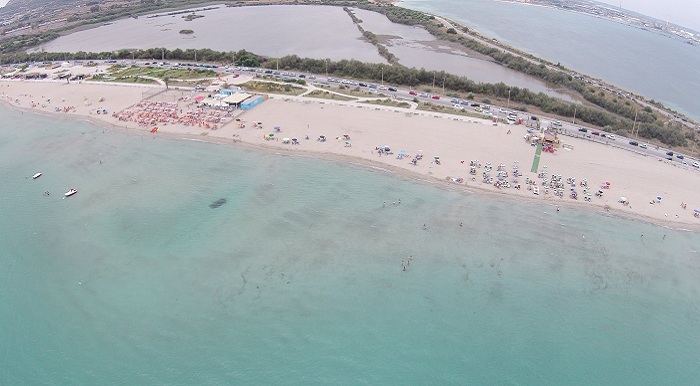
696	164
643	145
611	136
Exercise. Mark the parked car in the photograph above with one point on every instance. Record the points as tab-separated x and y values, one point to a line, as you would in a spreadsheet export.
454	100
669	153
611	136
643	146
475	105
477	109
436	97
464	102
584	130
423	95
634	143
412	92
595	132
680	156
363	84
696	164
392	89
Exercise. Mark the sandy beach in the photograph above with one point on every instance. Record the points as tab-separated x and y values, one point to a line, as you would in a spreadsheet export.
455	140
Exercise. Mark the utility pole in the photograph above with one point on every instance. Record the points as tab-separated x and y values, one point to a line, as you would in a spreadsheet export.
382	76
635	124
433	79
326	68
162	54
574	122
508	105
444	77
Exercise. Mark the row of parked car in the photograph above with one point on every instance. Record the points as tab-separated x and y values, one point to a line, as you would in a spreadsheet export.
602	135
669	154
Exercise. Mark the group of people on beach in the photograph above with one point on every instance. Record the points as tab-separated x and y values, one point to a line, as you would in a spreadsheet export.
150	113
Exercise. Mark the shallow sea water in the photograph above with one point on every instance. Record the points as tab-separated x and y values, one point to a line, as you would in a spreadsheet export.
297	278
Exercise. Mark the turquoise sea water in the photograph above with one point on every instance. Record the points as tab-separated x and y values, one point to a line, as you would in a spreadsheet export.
297	278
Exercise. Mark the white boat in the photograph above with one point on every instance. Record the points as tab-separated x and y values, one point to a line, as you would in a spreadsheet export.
34	177
70	192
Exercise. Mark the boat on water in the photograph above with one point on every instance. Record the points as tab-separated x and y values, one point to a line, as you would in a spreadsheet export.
70	192
34	177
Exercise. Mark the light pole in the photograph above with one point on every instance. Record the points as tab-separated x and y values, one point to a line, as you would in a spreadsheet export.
382	76
508	105
444	77
574	122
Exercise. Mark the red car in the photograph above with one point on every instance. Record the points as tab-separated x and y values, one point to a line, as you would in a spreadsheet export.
436	97
412	92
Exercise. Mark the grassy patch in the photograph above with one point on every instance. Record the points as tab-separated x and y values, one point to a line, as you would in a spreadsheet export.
329	95
130	79
161	73
451	110
388	102
274	88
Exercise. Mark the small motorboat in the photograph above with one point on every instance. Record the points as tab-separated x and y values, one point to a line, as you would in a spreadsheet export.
70	192
34	177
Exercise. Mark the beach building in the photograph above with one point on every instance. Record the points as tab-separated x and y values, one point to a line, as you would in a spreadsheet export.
251	102
230	91
235	100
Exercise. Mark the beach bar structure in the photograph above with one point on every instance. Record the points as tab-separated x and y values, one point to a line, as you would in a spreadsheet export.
235	100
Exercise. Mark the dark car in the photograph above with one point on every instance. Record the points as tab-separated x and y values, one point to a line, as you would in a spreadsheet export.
634	143
680	156
584	130
392	89
595	133
475	105
669	153
362	84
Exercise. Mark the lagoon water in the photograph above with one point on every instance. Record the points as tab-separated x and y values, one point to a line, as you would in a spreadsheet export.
297	277
650	64
308	31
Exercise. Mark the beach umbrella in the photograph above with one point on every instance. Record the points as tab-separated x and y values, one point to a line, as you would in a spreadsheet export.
277	128
658	198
